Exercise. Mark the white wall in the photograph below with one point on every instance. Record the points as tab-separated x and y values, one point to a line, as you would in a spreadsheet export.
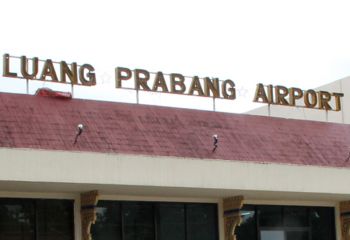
41	173
35	170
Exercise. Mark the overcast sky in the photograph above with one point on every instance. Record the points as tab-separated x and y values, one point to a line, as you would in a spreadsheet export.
295	43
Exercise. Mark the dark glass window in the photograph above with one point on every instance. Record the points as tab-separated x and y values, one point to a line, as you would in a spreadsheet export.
296	216
138	221
171	221
17	220
55	219
297	235
286	223
247	229
272	235
270	216
36	219
322	223
201	221
155	220
108	221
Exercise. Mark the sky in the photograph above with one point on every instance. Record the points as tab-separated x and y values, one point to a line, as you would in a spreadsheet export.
302	44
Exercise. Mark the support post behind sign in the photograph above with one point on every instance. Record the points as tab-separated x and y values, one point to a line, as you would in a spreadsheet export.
27	86
27	80
137	96
214	107
72	89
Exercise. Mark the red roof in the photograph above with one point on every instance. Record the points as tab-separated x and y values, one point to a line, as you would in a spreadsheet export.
36	122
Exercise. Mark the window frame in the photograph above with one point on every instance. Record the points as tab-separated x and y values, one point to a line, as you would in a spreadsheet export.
34	203
283	227
155	206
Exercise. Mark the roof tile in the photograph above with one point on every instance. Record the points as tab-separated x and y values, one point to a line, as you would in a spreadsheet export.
47	123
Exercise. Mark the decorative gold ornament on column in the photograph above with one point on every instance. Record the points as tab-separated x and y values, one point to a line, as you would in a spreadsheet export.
88	212
232	217
345	220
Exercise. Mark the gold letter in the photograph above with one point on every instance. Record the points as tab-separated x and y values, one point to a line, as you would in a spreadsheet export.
280	96
119	76
90	75
49	70
260	93
196	86
6	67
337	100
177	79
24	68
270	93
313	102
294	93
231	89
213	86
324	98
71	73
159	82
141	81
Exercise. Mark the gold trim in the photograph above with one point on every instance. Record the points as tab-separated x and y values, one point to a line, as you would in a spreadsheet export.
88	212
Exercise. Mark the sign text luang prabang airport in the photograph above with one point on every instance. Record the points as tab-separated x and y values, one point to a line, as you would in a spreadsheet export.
176	83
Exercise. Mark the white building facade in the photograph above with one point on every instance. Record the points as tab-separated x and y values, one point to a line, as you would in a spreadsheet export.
145	172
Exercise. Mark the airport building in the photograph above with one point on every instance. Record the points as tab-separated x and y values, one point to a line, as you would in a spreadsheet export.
74	169
83	169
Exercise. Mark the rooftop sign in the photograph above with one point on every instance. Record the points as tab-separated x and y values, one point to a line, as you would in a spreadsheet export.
176	83
50	71
280	95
